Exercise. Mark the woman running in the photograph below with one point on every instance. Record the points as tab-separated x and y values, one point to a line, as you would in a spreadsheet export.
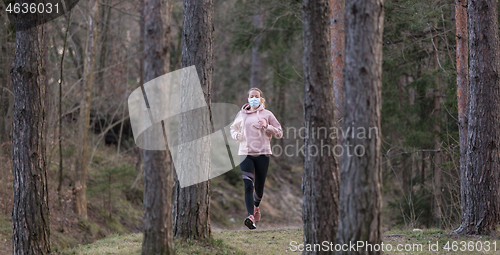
258	125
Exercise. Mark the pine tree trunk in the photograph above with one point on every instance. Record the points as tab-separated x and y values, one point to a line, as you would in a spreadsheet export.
337	50
30	214
6	98
337	38
192	203
438	203
256	70
360	196
480	182
158	180
320	178
82	155
462	56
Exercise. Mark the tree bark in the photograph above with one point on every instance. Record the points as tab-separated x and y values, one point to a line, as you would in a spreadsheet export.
192	203
462	56
438	202
158	182
30	214
6	98
337	50
82	156
78	58
422	172
480	180
103	56
256	69
320	178
60	120
360	197
337	39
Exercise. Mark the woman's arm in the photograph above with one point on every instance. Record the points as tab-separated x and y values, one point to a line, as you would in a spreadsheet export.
235	127
274	127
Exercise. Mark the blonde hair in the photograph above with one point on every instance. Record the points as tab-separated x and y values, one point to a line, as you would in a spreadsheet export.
262	100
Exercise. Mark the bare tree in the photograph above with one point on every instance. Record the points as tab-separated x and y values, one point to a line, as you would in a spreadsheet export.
462	56
480	182
360	197
30	214
157	164
320	179
192	203
256	70
82	155
438	202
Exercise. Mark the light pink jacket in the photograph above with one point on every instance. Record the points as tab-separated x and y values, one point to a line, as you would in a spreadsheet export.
255	141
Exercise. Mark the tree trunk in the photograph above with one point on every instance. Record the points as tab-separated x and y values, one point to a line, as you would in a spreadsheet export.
4	93
158	225
82	156
280	99
103	56
320	178
192	203
30	214
337	39
6	98
360	197
78	58
422	172
406	174
438	202
480	182
462	56
59	114
337	50
158	183
256	70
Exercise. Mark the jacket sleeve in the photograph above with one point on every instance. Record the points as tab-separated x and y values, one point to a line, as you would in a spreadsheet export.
274	127
235	127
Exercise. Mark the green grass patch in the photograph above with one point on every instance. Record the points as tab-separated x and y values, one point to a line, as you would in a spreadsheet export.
132	244
438	241
271	242
115	244
266	242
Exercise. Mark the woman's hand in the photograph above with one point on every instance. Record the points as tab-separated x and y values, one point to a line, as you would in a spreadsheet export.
263	122
239	136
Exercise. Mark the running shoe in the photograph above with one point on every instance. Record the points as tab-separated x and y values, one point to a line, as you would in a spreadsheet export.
249	222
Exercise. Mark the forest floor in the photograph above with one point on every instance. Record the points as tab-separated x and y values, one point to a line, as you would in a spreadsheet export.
285	240
115	209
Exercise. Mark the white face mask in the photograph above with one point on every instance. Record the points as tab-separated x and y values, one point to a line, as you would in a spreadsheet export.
254	102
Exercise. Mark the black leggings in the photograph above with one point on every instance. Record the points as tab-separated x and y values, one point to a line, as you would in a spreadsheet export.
254	171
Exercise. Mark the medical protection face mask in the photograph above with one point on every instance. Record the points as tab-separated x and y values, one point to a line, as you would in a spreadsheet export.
254	102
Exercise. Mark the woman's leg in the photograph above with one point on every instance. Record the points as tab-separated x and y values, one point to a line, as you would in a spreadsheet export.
261	164
247	172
